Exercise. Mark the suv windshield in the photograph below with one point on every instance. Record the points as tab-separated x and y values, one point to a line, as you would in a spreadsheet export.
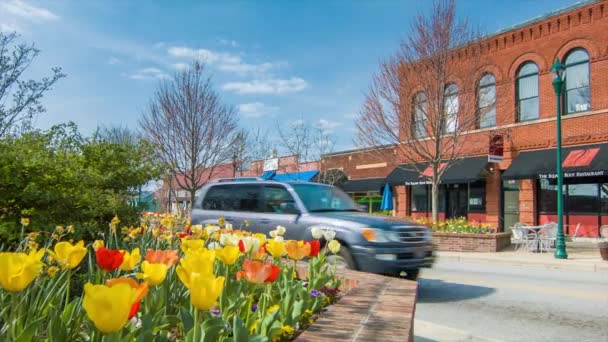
318	198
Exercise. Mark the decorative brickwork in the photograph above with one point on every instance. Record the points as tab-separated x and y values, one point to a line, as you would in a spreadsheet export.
471	242
374	308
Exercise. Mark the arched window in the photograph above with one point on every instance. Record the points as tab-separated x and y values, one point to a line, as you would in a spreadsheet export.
578	94
486	101
450	106
420	115
527	92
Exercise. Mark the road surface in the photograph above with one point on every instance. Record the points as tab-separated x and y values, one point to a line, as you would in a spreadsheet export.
467	301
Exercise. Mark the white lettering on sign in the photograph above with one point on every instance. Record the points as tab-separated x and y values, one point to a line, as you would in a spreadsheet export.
573	174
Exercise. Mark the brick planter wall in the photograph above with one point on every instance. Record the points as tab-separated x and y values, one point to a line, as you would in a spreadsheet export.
471	242
374	308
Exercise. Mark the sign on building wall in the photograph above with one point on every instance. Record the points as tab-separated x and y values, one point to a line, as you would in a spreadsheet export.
496	149
271	164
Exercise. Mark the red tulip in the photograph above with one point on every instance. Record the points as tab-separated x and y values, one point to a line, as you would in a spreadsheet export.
109	259
315	247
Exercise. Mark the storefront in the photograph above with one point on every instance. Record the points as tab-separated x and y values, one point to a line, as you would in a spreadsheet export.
462	191
585	190
366	191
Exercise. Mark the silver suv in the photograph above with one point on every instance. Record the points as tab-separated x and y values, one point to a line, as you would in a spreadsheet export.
375	244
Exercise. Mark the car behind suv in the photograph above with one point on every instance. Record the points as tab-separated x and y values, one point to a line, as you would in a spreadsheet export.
370	243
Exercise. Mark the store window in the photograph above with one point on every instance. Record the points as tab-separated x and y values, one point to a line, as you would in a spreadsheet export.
583	199
527	92
486	101
547	197
420	198
604	198
477	197
578	94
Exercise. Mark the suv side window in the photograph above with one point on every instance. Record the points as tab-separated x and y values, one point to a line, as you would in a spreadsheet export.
276	199
233	198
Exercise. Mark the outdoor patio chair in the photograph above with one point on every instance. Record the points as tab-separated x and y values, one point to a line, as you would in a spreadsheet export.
547	236
522	236
575	236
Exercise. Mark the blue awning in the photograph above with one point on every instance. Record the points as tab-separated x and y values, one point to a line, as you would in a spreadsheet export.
304	176
268	175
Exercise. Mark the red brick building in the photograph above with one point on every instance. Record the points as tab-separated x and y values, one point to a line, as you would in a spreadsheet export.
516	63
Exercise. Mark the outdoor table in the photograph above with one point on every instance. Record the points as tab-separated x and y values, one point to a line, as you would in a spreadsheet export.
536	231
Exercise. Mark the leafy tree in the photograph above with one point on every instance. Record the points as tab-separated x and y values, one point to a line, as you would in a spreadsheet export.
58	177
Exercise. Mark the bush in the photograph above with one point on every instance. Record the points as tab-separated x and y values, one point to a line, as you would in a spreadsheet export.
458	225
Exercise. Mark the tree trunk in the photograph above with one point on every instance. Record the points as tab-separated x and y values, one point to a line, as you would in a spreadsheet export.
435	199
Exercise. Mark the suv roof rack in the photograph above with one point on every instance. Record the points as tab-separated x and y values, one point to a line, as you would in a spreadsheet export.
237	179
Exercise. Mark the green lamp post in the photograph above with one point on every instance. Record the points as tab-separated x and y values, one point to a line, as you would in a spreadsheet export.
558	83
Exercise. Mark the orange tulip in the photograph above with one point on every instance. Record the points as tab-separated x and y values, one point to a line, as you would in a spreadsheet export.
297	250
168	257
258	272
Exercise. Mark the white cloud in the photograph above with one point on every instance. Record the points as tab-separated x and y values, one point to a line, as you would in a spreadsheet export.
229	42
14	12
180	66
256	109
224	61
22	9
204	55
148	73
327	127
114	61
267	86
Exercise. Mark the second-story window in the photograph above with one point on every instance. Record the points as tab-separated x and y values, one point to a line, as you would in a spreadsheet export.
420	115
486	101
527	92
578	94
450	107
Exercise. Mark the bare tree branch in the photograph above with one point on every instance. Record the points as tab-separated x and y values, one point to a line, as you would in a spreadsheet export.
190	127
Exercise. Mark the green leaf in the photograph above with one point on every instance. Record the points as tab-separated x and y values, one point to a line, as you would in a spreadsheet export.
239	330
187	319
212	328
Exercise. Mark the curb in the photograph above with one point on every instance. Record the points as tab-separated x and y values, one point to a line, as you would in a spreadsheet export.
546	265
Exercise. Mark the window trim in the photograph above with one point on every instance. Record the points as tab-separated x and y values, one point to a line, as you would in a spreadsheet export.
416	120
447	115
588	62
518	100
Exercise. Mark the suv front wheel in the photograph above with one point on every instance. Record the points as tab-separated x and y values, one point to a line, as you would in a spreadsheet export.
343	259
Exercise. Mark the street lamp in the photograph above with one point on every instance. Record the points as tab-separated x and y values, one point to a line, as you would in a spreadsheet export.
558	83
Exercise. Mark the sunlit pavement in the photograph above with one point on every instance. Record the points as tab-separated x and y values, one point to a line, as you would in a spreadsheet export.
497	302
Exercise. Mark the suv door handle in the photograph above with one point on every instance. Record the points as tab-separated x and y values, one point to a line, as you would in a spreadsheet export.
228	218
264	221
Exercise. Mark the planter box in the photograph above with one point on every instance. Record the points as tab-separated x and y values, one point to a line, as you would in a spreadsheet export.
372	308
454	242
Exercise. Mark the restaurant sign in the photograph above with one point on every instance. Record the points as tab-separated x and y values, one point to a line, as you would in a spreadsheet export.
574	174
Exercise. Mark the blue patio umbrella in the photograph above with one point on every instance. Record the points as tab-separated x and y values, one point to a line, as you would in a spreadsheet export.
387	198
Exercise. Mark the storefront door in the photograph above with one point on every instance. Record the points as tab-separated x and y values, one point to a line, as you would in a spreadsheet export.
510	202
456	201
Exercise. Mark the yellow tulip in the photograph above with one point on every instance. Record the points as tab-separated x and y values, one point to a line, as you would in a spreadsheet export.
334	246
297	249
153	274
260	237
276	248
25	221
67	255
228	254
130	260
18	270
204	290
108	307
200	262
192	245
97	244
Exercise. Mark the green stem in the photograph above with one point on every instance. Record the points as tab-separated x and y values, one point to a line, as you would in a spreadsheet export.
67	291
14	314
249	305
194	335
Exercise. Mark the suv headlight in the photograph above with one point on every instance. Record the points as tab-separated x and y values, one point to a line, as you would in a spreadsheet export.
376	235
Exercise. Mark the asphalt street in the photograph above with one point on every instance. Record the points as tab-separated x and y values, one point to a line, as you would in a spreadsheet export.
467	301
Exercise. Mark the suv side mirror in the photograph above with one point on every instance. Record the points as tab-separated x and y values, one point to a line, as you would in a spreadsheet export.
289	208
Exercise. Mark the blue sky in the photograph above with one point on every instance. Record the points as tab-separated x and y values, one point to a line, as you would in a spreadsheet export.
277	61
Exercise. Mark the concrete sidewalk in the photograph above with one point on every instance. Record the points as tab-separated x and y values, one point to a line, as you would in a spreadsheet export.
581	257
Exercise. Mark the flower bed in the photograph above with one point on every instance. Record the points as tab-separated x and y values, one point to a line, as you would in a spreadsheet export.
210	283
460	235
